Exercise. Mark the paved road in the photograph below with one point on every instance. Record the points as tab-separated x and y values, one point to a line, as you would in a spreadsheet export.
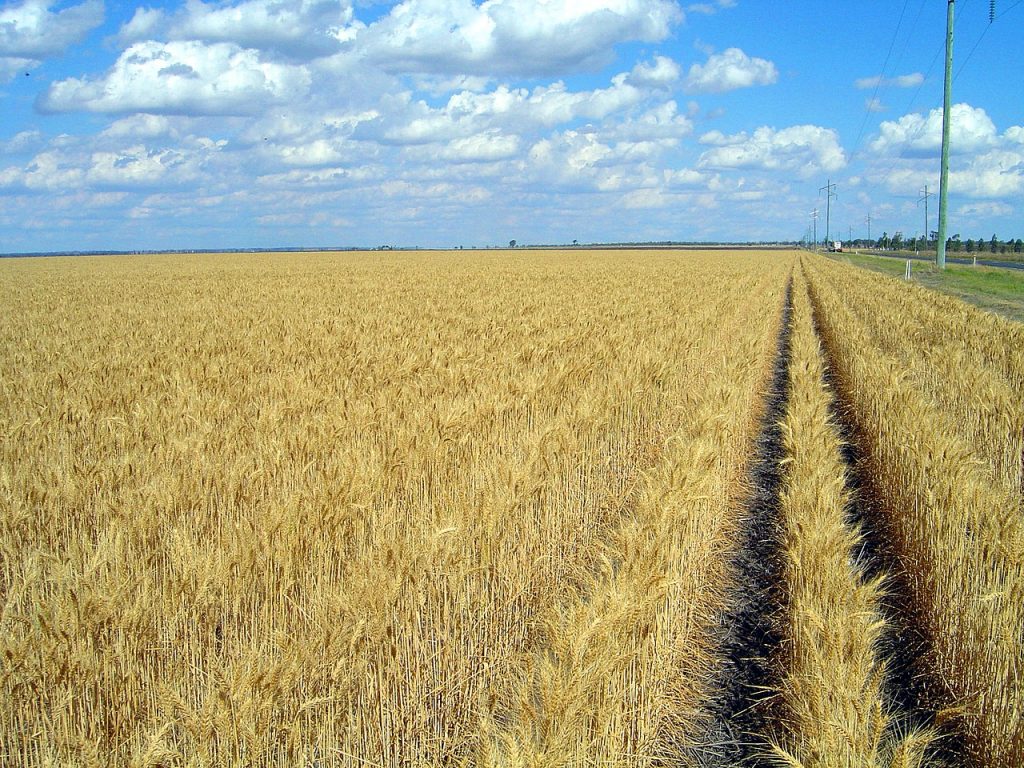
951	260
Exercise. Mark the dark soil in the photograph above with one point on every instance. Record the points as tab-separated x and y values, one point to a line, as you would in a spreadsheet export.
752	631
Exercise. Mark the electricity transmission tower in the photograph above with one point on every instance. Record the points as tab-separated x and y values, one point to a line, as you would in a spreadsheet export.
867	219
925	194
830	188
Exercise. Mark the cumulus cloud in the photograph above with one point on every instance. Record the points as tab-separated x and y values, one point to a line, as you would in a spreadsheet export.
10	67
686	178
302	30
993	168
583	161
512	37
181	78
916	135
30	30
140	166
984	210
1015	134
485	147
23	141
994	174
803	149
50	171
900	81
140	127
468	113
75	165
145	24
728	71
314	154
661	73
661	122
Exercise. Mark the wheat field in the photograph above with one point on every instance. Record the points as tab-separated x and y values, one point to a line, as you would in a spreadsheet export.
486	509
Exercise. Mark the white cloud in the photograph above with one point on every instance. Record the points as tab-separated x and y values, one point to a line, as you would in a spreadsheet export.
900	81
994	174
312	154
182	78
661	122
50	171
141	126
302	30
728	71
11	67
145	24
584	161
505	37
647	198
1015	134
686	178
916	135
804	149
138	165
874	105
988	174
506	109
486	147
708	9
662	73
23	141
76	166
30	30
984	210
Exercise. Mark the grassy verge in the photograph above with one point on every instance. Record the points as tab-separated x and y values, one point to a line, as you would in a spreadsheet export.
993	289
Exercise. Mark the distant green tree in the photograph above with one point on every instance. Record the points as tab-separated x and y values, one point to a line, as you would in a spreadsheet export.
1018	245
883	241
969	245
897	241
511	243
993	244
955	241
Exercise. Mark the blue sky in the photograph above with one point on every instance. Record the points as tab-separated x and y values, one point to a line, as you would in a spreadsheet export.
261	123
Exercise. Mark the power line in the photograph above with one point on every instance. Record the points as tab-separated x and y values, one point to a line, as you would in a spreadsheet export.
830	190
991	18
909	141
881	76
925	194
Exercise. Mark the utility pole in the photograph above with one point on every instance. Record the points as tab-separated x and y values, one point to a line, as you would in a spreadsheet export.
868	220
925	194
814	216
830	188
940	247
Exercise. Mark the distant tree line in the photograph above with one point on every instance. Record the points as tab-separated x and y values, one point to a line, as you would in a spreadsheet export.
954	244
